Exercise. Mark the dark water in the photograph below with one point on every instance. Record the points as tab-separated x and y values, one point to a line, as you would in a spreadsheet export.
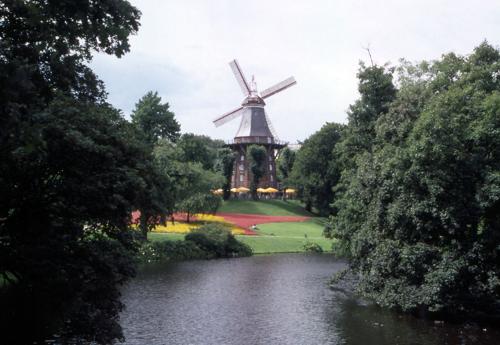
280	299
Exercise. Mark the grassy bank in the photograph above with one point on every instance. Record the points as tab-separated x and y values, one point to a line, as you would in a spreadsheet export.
264	207
275	237
288	237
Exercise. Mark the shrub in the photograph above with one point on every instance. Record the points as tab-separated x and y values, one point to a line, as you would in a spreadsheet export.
311	247
207	242
218	240
171	251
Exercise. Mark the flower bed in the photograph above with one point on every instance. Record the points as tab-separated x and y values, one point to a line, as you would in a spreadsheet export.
239	224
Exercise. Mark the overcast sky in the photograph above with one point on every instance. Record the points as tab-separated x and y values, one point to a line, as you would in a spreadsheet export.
183	49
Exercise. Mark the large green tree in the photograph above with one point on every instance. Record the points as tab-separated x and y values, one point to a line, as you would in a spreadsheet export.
426	235
71	171
225	166
155	122
154	119
316	169
285	163
354	151
256	159
190	184
201	149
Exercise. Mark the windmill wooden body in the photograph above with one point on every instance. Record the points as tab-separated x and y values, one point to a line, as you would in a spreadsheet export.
255	128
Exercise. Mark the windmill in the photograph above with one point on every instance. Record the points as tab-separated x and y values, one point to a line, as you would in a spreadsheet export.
255	128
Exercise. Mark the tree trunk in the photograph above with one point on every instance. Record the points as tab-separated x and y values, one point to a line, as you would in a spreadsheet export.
143	225
308	206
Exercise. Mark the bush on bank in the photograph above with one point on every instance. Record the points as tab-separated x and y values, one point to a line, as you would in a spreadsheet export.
210	241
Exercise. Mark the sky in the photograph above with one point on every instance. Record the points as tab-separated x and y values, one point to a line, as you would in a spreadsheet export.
183	48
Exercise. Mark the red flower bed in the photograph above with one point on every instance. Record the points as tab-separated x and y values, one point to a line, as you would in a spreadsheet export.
247	220
244	221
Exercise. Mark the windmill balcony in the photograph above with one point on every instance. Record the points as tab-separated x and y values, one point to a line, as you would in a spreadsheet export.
256	140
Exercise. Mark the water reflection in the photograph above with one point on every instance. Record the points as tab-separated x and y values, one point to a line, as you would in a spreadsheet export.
281	299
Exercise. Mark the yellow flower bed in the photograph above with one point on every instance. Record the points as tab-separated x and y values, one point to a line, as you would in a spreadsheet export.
182	227
179	227
211	218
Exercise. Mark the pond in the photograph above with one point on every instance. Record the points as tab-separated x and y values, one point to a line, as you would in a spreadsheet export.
277	299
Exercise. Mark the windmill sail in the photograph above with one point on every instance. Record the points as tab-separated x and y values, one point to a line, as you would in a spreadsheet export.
240	77
227	117
285	84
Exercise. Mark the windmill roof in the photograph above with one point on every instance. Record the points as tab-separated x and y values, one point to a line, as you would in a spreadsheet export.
253	123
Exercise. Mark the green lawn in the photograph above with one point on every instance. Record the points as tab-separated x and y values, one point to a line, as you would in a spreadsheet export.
275	237
287	237
265	207
162	236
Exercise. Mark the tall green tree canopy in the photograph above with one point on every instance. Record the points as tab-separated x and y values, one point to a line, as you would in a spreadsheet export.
257	158
200	148
154	119
285	163
316	169
225	166
421	214
71	171
191	184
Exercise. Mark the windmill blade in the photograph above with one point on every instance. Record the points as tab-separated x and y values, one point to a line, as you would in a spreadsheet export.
238	73
227	117
278	87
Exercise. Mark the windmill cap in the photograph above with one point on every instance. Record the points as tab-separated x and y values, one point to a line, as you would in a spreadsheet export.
253	100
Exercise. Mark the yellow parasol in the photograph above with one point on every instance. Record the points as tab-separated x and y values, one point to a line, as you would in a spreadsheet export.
261	190
290	191
243	190
270	190
234	190
218	191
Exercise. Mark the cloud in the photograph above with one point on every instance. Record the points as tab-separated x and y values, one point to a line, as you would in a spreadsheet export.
183	49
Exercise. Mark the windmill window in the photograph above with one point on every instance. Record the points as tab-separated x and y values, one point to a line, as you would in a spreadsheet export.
270	158
269	140
242	167
241	178
270	167
272	179
242	158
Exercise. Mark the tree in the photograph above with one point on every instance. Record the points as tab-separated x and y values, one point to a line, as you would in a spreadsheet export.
426	235
316	170
354	151
200	148
71	171
154	119
192	185
257	158
65	209
286	160
225	166
155	122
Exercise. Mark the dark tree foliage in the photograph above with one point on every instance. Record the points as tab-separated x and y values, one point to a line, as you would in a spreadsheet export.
155	123
354	150
257	158
316	170
200	148
71	171
190	184
155	120
225	166
420	217
285	163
